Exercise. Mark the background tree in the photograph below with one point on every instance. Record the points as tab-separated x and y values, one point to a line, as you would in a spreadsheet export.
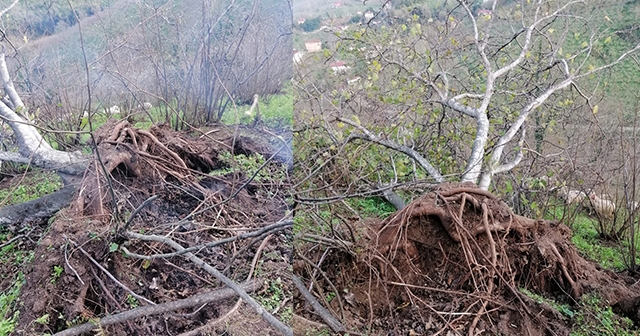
454	94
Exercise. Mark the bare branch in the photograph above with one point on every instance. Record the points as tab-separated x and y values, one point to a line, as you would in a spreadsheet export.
8	83
4	11
211	270
326	316
284	224
194	301
367	135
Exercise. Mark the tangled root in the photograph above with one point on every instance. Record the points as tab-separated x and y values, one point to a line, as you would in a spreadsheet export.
461	239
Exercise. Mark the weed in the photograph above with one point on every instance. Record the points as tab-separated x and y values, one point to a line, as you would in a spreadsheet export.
36	184
372	207
44	319
132	301
596	318
273	298
249	165
565	309
57	272
330	296
8	306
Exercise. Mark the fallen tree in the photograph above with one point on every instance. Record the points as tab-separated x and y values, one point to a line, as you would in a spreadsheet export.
459	258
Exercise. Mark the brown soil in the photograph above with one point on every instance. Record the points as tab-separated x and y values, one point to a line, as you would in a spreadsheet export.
173	166
452	262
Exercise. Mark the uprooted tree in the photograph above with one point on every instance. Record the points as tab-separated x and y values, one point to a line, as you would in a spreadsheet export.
450	96
454	91
134	170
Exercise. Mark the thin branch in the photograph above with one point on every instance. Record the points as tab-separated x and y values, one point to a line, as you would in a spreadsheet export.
138	209
123	286
326	316
367	135
213	271
8	8
284	224
145	311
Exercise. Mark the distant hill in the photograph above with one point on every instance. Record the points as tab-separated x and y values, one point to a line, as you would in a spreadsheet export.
199	55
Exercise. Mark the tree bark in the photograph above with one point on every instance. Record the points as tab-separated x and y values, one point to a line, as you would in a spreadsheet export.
32	147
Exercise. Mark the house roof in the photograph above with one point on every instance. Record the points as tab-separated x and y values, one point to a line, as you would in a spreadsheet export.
313	41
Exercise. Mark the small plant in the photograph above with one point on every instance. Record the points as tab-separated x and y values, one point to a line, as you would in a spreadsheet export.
565	309
249	165
273	298
57	272
132	301
596	318
9	306
372	207
331	296
44	319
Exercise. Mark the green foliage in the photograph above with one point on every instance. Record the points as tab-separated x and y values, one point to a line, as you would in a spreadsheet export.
57	272
44	319
36	184
565	309
249	165
311	24
132	301
274	297
372	207
594	318
591	317
9	306
586	239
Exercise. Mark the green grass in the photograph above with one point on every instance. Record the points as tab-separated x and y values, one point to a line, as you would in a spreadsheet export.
36	184
594	317
372	207
565	309
590	317
587	240
275	111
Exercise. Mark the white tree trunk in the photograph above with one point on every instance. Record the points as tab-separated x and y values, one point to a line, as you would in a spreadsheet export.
33	148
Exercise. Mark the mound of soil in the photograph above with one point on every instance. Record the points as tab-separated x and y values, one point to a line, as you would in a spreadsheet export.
191	207
454	262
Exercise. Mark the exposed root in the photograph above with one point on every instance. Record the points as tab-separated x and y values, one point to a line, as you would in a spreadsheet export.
459	255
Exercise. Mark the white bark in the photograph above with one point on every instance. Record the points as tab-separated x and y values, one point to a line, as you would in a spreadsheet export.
367	135
476	158
33	148
476	167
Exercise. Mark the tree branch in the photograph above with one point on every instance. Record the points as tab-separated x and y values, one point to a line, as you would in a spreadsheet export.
367	135
211	270
145	311
326	316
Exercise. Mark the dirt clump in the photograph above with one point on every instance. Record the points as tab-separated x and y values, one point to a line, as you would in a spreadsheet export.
454	262
200	198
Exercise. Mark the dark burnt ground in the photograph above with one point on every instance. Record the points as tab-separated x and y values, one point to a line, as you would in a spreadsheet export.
452	263
189	174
